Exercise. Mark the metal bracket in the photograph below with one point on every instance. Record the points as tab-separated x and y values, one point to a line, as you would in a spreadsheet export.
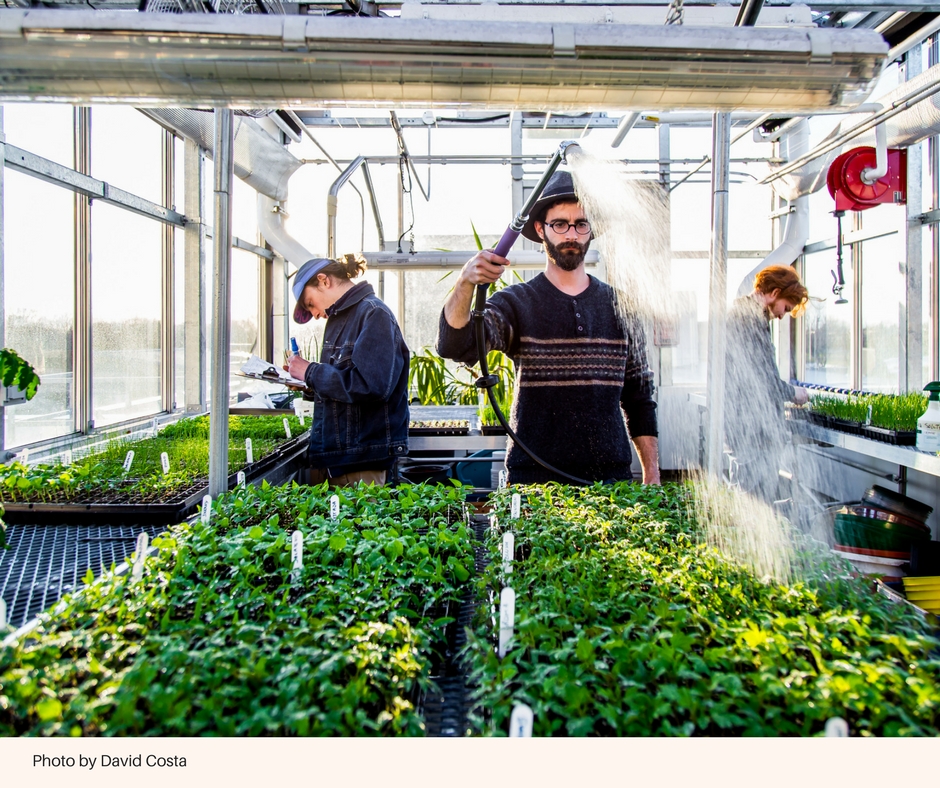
820	46
294	33
563	41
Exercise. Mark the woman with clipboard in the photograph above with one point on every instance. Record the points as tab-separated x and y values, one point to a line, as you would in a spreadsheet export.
360	384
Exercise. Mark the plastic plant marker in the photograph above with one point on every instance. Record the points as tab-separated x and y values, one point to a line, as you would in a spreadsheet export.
138	571
3	614
520	723
240	478
24	456
296	555
334	507
206	507
507	618
502	480
494	523
836	727
516	504
300	417
868	417
67	457
165	462
249	451
286	428
509	550
128	461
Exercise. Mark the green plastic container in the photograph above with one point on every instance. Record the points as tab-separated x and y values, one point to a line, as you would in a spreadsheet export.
854	531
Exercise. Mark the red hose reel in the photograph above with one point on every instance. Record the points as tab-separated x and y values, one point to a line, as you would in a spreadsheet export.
851	193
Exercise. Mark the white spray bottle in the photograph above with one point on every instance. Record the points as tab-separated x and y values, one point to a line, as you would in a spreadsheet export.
928	425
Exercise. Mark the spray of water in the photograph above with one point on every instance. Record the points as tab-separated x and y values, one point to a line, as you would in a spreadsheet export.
630	219
741	511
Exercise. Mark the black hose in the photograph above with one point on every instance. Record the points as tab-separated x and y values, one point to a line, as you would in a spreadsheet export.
488	381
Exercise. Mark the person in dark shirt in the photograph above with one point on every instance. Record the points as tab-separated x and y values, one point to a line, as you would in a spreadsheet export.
582	378
360	384
756	431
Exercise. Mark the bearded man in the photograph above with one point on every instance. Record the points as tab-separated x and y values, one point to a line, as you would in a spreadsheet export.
582	378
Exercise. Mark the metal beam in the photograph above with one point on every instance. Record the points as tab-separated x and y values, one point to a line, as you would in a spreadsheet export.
224	173
718	294
231	60
911	342
82	405
168	278
81	183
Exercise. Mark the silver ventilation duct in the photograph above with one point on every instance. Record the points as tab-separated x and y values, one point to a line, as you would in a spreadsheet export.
259	160
267	60
912	113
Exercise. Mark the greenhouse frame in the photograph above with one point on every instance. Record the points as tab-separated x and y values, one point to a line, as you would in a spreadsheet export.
170	165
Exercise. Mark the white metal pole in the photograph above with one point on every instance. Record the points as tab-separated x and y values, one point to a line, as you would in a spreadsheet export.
221	302
717	291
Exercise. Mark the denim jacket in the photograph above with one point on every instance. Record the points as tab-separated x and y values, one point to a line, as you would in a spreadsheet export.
360	385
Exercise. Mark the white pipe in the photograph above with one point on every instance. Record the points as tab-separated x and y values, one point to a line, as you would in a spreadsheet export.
271	226
871	174
797	229
627	122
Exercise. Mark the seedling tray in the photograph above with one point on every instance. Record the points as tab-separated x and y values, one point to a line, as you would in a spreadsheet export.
120	505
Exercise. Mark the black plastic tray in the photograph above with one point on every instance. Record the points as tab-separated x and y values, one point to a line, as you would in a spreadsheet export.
176	508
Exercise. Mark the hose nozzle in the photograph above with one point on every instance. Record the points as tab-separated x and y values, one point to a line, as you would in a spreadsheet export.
563	149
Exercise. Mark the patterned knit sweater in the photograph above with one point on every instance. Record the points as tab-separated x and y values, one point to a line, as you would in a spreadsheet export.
577	373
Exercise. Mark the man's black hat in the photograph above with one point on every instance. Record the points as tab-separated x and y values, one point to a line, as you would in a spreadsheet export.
559	187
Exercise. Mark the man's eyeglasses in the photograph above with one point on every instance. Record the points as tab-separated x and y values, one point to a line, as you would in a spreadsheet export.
560	226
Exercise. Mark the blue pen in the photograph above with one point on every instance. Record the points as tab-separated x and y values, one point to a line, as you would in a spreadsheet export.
294	350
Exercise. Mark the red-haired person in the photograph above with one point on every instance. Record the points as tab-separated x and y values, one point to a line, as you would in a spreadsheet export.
755	425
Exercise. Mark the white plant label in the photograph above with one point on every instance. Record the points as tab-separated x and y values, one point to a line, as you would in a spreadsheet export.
836	727
24	456
334	507
520	723
3	614
502	480
240	478
67	458
206	507
868	417
153	426
249	451
286	428
296	554
507	619
165	462
138	571
509	550
494	523
516	505
300	417
128	461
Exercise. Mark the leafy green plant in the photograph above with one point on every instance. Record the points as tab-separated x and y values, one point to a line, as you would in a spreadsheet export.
629	624
888	411
222	637
16	371
101	475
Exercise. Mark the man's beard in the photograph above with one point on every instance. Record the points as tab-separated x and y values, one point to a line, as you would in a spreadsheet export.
567	255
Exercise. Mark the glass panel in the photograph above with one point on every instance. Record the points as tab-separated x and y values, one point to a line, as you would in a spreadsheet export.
827	326
179	307
690	297
244	340
39	244
125	296
245	212
882	290
126	151
43	129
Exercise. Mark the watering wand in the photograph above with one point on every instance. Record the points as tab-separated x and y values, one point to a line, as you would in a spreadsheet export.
486	380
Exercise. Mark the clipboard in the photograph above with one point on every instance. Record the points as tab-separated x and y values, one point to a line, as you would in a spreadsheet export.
273	377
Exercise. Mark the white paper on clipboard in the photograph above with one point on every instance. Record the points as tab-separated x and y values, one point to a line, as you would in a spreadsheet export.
259	369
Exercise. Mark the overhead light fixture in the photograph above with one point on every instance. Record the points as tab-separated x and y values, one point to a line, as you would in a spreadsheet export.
268	60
